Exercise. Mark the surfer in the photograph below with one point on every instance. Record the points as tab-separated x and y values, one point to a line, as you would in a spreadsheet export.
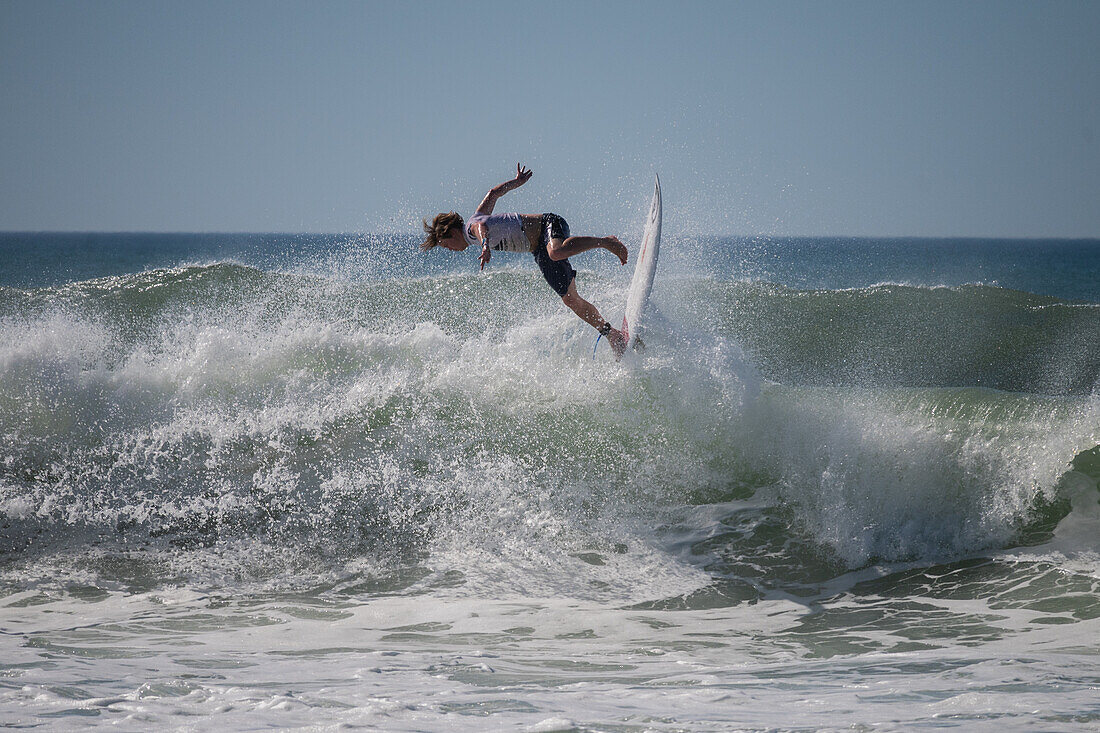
546	236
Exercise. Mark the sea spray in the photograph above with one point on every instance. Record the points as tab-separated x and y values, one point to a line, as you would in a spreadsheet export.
205	405
255	488
921	473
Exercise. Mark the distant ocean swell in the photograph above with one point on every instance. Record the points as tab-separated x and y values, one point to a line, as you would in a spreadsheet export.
222	421
904	335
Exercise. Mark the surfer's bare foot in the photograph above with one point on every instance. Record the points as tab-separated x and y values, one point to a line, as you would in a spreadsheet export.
615	247
618	342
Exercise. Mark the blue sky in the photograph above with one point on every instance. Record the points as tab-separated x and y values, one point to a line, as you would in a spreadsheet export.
881	118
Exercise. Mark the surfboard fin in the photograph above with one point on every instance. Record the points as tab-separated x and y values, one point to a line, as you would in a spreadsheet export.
639	345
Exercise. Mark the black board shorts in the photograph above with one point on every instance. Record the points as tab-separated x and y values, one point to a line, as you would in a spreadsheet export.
558	273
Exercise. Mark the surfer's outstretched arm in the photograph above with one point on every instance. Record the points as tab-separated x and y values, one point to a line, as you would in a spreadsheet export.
523	175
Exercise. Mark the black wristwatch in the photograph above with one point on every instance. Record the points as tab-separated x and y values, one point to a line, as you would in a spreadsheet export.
604	329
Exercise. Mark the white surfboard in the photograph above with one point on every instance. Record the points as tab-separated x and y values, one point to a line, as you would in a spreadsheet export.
644	269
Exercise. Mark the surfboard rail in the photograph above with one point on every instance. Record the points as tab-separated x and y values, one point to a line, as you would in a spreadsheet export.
645	268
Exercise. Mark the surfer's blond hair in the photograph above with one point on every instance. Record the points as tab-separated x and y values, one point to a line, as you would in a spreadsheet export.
438	230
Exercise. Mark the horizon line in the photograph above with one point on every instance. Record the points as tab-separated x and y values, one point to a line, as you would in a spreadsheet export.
1060	238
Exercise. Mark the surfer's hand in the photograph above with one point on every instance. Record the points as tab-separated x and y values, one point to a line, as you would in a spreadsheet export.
486	255
523	174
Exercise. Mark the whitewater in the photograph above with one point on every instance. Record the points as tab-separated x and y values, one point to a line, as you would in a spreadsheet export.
321	482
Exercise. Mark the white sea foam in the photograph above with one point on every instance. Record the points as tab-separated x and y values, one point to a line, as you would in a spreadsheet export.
298	502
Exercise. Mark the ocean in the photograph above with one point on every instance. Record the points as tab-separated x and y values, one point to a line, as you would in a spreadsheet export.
327	481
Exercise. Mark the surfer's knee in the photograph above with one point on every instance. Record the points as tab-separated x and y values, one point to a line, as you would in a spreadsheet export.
556	249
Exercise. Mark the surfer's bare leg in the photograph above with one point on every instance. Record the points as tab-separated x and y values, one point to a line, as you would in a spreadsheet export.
584	310
560	249
588	313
